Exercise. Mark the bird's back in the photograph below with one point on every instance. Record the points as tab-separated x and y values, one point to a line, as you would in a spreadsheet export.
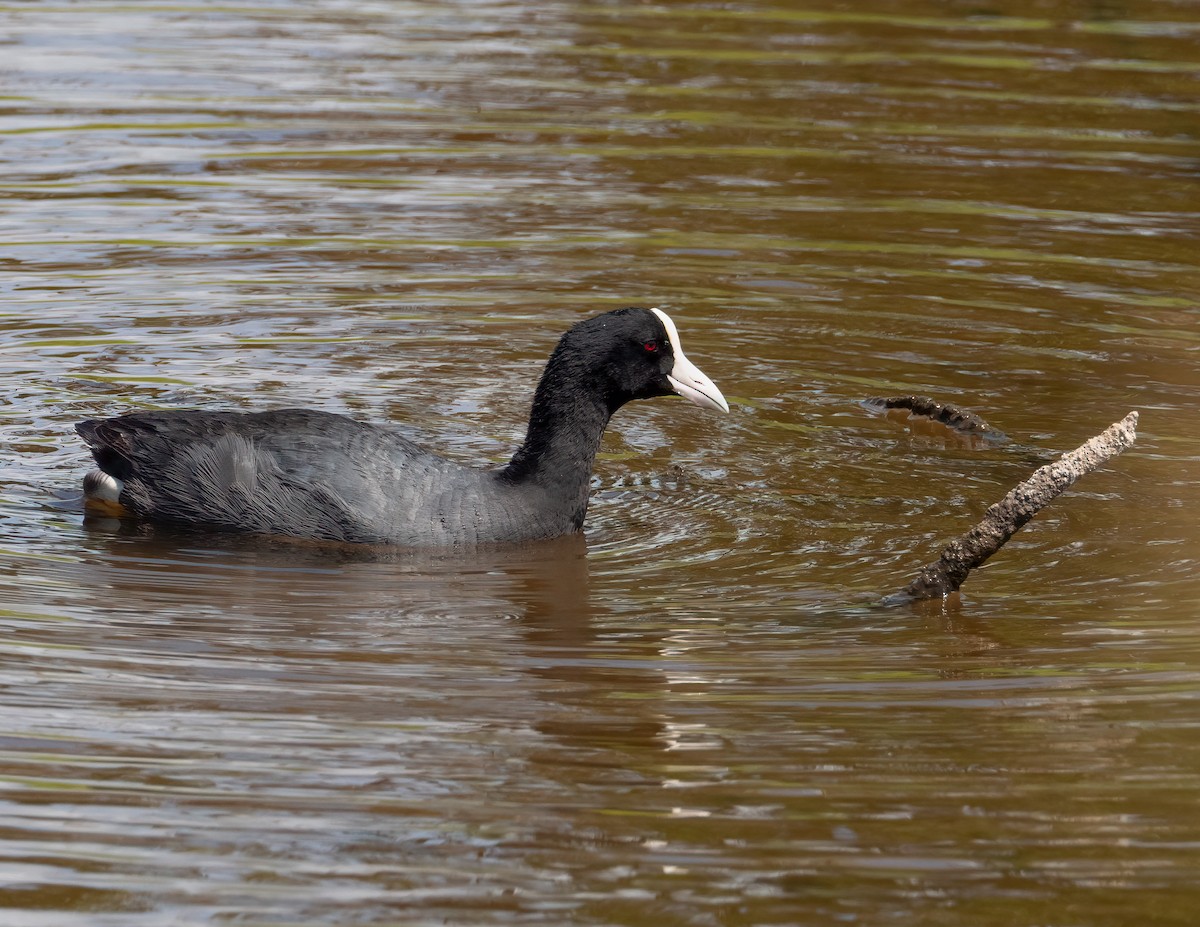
293	472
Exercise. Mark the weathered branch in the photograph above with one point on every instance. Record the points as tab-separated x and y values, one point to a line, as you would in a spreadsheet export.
953	417
1010	514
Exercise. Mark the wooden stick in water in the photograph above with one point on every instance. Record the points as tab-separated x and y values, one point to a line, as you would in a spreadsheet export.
1010	514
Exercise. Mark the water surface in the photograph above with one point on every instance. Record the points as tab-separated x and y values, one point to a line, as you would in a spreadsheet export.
693	714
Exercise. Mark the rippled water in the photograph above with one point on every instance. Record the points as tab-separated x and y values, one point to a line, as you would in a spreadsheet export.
694	715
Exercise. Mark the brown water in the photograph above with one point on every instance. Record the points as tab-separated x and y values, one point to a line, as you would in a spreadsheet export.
692	716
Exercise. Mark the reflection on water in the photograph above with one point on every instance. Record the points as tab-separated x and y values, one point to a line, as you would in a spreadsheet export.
694	715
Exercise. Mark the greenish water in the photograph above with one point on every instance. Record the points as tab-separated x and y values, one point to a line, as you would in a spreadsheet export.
692	715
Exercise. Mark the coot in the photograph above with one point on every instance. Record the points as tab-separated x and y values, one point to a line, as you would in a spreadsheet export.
307	474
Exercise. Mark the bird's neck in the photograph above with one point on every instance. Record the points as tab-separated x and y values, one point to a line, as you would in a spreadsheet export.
562	441
565	428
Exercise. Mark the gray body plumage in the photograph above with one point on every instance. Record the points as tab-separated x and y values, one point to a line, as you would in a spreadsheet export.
303	473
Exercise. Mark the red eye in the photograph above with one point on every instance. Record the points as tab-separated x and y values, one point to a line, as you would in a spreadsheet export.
651	346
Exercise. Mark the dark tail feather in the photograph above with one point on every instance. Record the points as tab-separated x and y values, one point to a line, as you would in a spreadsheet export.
110	446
